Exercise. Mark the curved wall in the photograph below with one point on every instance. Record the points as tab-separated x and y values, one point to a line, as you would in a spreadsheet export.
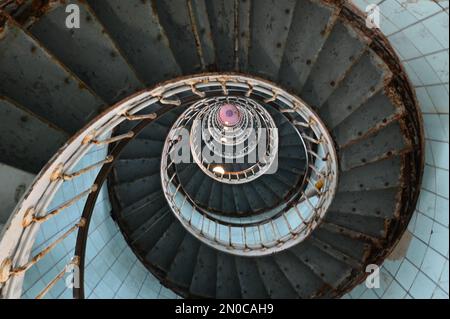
418	267
112	269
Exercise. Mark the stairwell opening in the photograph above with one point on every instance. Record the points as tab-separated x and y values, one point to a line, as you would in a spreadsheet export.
362	96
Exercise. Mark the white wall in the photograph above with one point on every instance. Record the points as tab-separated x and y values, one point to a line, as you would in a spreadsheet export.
419	31
112	269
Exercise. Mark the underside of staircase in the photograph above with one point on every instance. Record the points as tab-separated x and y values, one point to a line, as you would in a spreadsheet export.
54	80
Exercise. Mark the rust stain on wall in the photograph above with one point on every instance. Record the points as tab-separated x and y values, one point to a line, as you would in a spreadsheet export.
401	249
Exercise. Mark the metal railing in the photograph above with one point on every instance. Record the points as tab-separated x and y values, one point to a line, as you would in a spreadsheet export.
201	117
19	234
285	225
17	239
32	211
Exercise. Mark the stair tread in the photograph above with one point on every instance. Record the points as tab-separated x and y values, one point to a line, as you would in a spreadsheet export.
285	174
305	282
221	17
276	186
182	267
375	111
142	148
241	201
268	196
204	277
383	144
169	118
292	151
186	171
164	251
358	249
215	197
135	27
204	190
155	131
129	192
290	140
27	141
348	232
195	182
141	204
251	283
203	32
378	175
88	51
175	19
145	238
244	21
277	285
376	203
34	78
342	48
129	170
142	218
367	76
337	254
228	199
370	225
332	271
270	26
311	19
227	286
255	200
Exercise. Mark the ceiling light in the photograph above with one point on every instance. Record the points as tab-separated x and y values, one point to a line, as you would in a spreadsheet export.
219	170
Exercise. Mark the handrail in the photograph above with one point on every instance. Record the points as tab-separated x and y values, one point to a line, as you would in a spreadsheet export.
16	243
20	231
322	185
82	237
231	177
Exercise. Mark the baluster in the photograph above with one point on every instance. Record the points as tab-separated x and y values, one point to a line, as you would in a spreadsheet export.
90	138
320	174
131	117
196	91
317	185
273	98
302	124
309	203
312	140
166	101
223	83
287	222
7	270
250	90
74	262
300	215
31	216
58	173
324	159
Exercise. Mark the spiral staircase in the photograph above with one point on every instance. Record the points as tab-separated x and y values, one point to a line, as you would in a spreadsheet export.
343	161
